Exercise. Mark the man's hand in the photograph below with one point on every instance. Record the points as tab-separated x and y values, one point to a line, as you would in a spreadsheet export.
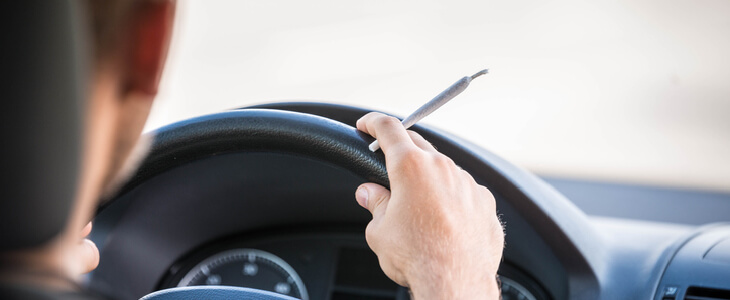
88	254
436	230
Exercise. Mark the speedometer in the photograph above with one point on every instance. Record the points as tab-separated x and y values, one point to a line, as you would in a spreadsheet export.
249	268
511	290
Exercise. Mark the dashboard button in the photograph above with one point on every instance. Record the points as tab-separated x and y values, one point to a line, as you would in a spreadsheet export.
670	292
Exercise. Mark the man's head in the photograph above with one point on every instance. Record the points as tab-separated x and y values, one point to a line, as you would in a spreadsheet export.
128	41
129	45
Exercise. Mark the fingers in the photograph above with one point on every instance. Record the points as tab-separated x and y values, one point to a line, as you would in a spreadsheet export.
388	130
86	231
421	142
373	197
89	254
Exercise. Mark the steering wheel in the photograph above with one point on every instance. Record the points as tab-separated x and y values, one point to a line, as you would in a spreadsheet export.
262	130
256	130
214	293
533	207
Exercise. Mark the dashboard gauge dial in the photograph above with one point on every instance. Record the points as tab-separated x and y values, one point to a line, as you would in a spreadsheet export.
249	268
512	290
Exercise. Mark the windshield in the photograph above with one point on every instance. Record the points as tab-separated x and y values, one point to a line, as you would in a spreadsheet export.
627	91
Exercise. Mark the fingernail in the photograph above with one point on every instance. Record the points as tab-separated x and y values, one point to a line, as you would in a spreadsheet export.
362	197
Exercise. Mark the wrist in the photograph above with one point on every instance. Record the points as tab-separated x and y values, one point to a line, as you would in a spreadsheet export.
434	287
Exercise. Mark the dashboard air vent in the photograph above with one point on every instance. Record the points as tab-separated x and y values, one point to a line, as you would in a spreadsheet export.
699	293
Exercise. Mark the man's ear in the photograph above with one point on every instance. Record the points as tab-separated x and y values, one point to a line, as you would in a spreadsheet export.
147	44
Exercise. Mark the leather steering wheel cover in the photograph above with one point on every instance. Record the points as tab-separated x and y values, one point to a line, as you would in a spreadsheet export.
262	130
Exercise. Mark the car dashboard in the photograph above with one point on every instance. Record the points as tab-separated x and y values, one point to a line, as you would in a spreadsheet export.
308	264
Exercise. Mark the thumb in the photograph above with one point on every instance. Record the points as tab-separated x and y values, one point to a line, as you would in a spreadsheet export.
373	197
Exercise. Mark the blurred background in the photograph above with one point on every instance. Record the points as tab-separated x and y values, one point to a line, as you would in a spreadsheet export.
624	91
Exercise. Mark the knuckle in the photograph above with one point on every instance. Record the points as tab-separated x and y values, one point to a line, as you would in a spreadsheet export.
414	134
369	117
386	121
371	114
444	161
446	225
412	157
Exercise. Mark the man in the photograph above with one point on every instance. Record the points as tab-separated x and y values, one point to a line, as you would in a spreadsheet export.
435	230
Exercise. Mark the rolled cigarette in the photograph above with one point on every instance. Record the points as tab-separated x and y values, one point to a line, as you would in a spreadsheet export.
431	106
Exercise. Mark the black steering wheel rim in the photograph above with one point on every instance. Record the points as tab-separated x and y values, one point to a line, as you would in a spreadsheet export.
261	130
256	130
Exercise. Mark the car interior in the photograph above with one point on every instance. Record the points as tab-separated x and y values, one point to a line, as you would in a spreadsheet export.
261	197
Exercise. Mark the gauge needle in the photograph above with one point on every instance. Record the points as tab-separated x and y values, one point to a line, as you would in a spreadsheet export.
438	101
